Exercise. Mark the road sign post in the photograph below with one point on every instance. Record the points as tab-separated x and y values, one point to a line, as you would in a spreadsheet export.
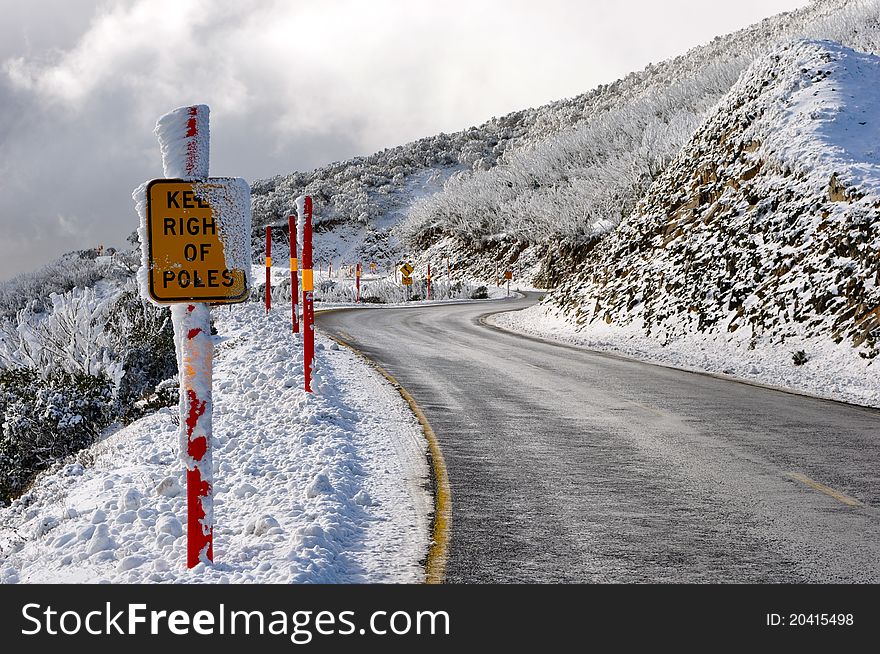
508	275
405	271
294	266
268	268
195	251
304	208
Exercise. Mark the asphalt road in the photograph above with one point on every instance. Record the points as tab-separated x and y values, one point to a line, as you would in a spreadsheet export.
572	466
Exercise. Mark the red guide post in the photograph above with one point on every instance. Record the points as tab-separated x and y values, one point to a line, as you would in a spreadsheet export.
358	283
268	268
429	281
308	286
294	271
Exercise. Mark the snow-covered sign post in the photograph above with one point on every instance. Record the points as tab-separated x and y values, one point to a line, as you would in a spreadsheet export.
195	251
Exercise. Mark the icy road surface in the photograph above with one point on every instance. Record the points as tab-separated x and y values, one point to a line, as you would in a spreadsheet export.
569	465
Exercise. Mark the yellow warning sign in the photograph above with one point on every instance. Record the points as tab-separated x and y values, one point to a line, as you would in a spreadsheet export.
407	281
406	269
508	274
186	247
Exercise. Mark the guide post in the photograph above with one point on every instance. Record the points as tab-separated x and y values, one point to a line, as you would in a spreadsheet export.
268	268
308	285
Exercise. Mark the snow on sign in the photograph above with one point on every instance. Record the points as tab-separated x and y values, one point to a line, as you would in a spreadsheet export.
191	226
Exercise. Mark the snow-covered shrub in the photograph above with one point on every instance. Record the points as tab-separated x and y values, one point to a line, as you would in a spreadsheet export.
387	291
141	340
47	418
70	337
79	269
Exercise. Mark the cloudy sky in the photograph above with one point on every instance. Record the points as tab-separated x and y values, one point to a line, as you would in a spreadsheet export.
292	85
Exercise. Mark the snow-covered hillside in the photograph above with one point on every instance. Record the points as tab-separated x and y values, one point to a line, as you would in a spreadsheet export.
755	252
552	194
308	488
539	184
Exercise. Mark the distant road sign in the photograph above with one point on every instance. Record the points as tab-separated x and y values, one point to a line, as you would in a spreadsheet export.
407	269
187	241
407	281
508	274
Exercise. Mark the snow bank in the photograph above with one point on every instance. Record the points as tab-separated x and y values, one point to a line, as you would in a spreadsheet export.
830	372
308	488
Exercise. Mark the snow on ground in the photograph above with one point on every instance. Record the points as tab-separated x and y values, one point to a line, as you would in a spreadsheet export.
830	372
323	488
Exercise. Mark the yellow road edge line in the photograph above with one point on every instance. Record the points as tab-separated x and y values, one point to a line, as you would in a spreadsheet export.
822	488
438	552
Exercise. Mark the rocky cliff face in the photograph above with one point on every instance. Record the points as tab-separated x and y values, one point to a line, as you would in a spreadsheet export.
766	225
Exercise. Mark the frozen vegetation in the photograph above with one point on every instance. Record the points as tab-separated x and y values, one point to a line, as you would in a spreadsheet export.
755	252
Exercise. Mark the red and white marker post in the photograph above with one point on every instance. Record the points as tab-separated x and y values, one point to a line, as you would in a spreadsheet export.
308	287
358	282
268	268
294	268
429	282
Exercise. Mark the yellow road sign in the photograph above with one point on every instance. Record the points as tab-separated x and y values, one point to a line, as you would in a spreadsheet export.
407	281
406	269
508	274
187	244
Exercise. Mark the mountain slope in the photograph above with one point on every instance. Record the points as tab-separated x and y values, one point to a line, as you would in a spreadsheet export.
550	179
762	235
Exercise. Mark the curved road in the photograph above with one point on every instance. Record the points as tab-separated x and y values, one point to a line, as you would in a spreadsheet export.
574	466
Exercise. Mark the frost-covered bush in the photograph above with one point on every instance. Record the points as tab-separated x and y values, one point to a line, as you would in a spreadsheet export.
79	269
67	371
388	291
44	419
141	340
